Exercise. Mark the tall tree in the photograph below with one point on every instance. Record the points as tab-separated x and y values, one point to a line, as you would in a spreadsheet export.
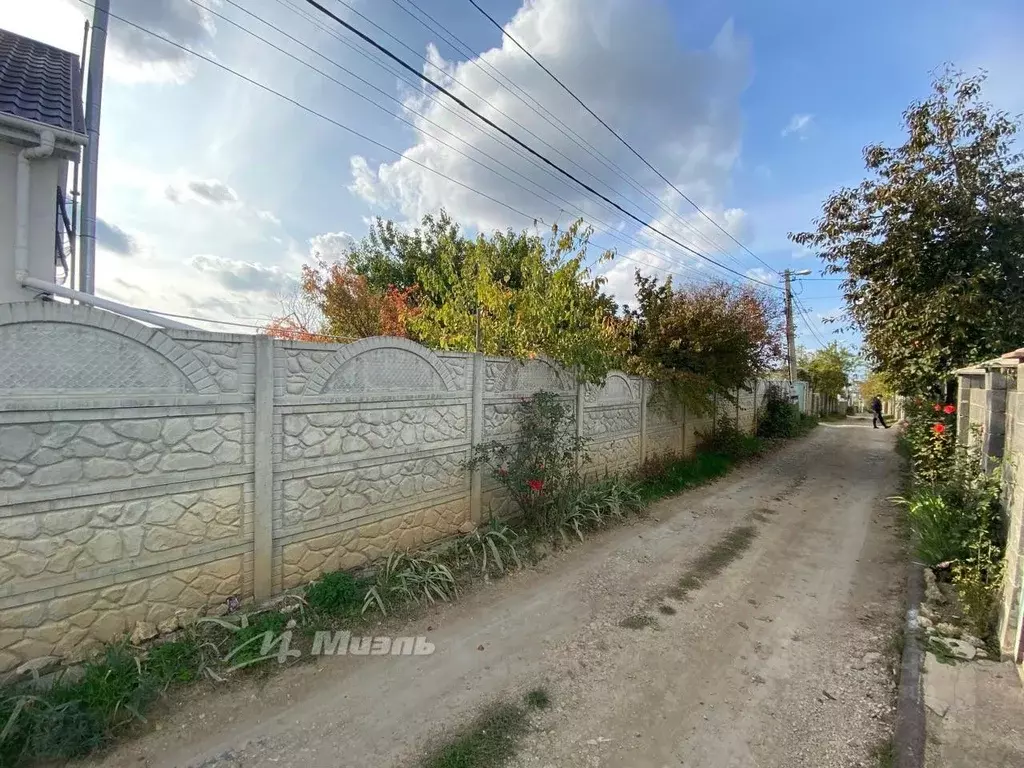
532	295
703	339
829	368
931	243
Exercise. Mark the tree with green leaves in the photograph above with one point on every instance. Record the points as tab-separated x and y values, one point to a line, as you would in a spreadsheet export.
527	295
931	243
531	296
828	369
703	339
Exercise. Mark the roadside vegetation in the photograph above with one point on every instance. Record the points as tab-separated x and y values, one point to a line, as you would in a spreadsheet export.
953	511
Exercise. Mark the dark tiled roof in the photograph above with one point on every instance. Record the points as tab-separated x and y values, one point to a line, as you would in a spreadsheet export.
39	82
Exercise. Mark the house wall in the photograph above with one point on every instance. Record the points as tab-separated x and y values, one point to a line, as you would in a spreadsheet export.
46	175
148	475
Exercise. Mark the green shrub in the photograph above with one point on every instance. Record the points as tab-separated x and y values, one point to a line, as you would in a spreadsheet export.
175	662
779	418
404	579
940	529
491	548
726	439
71	719
541	469
928	436
336	594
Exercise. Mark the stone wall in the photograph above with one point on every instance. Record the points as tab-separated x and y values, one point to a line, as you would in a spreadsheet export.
148	475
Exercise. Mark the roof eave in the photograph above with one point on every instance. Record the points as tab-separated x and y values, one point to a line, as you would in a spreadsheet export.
30	129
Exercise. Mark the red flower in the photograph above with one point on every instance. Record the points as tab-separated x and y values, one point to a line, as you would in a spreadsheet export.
938	429
502	471
949	409
937	407
536	485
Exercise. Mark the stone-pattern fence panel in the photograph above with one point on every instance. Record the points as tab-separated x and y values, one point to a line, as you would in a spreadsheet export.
148	475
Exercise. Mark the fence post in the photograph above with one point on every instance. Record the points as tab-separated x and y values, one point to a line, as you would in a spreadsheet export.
643	420
995	418
476	437
263	471
579	419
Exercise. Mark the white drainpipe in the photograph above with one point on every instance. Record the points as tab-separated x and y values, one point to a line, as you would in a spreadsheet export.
23	188
21	245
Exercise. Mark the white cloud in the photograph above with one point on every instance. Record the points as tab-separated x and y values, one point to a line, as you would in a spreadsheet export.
135	56
132	55
269	217
798	125
331	246
680	107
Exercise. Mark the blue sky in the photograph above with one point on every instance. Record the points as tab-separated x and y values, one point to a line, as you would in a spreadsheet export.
213	193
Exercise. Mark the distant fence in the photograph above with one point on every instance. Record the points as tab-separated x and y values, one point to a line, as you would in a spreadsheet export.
148	475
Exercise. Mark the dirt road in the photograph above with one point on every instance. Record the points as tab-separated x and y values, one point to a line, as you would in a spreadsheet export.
780	658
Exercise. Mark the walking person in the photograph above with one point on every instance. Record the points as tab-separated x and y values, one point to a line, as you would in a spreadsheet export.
876	413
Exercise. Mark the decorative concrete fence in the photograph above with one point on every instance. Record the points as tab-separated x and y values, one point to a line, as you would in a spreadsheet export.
148	475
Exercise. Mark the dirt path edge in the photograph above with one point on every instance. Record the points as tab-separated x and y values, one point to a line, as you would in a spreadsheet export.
909	734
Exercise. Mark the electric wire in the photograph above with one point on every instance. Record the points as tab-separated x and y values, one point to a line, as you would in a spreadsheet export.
615	133
461	102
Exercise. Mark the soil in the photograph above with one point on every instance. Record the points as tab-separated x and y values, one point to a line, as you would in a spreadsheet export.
773	597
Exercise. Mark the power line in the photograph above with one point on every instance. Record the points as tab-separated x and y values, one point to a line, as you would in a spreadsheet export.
610	231
614	132
810	325
321	116
516	90
312	111
363	36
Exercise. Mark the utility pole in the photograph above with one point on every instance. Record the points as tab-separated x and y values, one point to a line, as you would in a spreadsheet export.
790	330
90	170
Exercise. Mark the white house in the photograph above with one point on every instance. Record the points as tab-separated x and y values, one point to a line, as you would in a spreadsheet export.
42	131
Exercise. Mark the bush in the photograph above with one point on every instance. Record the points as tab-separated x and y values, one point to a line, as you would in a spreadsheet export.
928	437
71	719
541	471
779	418
727	440
954	512
336	593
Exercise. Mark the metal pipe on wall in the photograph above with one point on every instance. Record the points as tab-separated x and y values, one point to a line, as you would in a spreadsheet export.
90	170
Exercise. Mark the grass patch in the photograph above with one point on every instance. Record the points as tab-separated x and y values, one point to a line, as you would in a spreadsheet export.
336	594
491	740
710	564
883	754
667	610
672	474
638	621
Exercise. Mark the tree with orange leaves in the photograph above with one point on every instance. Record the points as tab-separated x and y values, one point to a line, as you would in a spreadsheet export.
351	307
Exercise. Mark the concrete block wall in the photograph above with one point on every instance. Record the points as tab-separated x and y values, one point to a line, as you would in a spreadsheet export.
126	476
990	411
148	475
